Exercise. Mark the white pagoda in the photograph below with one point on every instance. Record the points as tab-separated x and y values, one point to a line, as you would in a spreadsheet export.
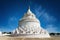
29	27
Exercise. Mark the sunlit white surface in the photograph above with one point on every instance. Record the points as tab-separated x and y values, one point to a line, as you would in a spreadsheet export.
29	26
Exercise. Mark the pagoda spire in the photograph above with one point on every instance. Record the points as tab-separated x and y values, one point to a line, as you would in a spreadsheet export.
29	7
29	11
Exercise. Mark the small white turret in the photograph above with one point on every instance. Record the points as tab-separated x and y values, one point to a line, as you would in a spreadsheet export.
1	33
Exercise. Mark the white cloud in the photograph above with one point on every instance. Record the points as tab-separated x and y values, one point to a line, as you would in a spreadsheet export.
39	12
12	23
12	18
46	18
51	28
42	14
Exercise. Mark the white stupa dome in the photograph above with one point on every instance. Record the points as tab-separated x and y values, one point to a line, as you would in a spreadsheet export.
29	26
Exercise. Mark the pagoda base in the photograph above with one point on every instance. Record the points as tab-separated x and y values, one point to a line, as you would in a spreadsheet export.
33	35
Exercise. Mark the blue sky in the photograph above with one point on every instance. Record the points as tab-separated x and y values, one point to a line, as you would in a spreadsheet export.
47	11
